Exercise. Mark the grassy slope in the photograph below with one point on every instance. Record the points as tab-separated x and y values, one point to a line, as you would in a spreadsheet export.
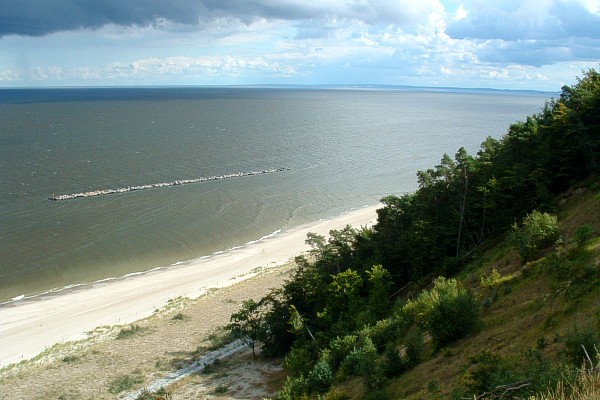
536	306
530	307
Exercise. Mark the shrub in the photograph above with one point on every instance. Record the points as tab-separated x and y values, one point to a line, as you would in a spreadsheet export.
377	395
540	371
364	362
361	360
490	281
383	332
583	235
221	389
294	388
337	394
129	331
487	371
299	361
578	338
178	317
321	377
448	311
415	345
394	364
340	347
539	229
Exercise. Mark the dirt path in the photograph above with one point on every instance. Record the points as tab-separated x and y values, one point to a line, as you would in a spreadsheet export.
119	360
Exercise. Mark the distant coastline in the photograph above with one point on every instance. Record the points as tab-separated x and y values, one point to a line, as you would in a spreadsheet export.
104	93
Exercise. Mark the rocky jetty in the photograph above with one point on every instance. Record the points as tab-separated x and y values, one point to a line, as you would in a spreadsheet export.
104	192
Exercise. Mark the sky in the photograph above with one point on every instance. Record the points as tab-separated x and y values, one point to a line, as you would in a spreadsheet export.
502	44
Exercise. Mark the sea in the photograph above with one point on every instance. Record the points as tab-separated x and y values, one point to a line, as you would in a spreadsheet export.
337	150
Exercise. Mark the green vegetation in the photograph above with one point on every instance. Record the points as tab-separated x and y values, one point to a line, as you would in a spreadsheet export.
539	229
178	317
477	285
125	382
129	331
447	312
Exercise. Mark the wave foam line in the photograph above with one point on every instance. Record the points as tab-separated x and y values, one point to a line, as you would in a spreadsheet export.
104	192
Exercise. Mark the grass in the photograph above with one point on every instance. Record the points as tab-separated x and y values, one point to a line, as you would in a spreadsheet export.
70	359
534	316
221	389
129	331
161	394
125	382
178	317
211	368
587	387
174	305
219	338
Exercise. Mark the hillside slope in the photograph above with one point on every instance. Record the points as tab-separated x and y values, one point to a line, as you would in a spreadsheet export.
486	276
531	310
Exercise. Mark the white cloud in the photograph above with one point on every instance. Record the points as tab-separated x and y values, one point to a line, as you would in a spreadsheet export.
460	13
200	69
474	42
10	75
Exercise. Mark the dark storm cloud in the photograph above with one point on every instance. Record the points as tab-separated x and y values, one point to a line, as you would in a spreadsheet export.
41	17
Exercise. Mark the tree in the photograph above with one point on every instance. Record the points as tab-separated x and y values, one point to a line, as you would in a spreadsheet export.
247	323
343	300
380	286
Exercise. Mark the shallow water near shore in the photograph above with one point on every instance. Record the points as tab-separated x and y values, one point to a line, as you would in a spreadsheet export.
344	149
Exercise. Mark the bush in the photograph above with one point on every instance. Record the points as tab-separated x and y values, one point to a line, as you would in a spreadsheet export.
340	347
448	311
415	345
294	388
583	235
361	360
299	361
129	331
394	364
377	395
576	339
487	371
321	377
539	229
364	362
385	331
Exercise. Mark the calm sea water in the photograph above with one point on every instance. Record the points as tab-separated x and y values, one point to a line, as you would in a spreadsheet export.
345	149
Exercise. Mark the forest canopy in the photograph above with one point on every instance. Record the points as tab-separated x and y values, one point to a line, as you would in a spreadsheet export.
336	314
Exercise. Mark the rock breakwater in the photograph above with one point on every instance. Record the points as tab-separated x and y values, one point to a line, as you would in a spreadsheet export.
105	192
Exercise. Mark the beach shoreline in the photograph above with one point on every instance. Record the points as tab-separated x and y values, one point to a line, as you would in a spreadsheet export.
29	327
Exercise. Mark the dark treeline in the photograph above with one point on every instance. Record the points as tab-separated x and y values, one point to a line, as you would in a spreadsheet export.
347	282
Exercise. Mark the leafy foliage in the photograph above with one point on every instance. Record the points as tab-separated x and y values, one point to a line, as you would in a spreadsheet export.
581	346
539	229
247	323
342	311
448	311
320	377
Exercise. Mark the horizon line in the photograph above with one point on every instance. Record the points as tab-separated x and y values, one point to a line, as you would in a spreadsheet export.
348	86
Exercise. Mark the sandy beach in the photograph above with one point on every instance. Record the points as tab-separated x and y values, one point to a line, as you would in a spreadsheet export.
29	327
